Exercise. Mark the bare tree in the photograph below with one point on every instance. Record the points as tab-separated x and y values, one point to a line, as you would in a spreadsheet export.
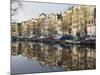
15	5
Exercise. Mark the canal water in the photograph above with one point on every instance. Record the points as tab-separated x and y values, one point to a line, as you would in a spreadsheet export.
32	57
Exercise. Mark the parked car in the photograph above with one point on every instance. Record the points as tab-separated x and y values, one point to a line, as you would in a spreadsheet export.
40	38
89	40
32	36
57	37
66	37
50	37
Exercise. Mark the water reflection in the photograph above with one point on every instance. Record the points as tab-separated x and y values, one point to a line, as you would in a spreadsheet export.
38	57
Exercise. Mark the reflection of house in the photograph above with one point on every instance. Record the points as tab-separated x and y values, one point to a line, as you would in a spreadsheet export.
69	58
83	57
14	47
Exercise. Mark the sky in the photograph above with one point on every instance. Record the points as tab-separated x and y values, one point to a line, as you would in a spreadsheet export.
33	9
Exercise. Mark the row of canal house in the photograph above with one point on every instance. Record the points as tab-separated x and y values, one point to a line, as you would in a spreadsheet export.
80	20
43	25
76	21
51	24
